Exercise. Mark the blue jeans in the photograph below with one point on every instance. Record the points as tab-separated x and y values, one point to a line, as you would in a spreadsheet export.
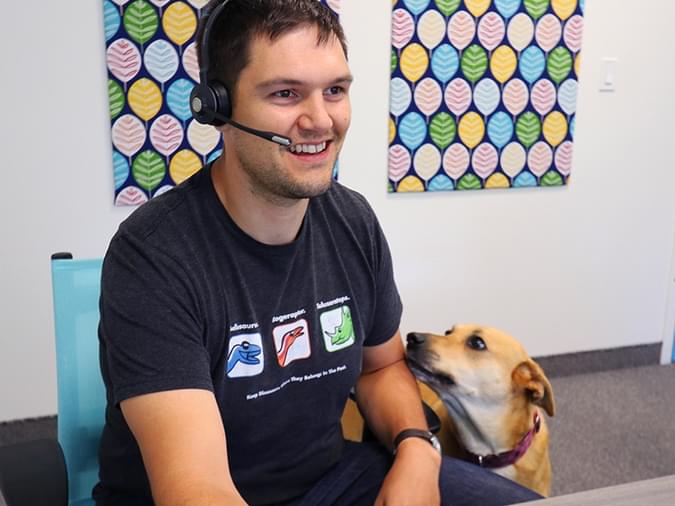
356	481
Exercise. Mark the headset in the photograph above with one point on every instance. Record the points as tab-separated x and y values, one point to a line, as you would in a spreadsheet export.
210	100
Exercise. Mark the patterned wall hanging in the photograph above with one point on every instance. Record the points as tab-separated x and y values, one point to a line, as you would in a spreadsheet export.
483	93
152	67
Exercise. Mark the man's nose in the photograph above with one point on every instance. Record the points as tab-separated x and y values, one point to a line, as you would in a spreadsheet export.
315	116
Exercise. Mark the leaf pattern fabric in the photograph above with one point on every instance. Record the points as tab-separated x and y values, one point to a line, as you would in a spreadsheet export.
483	93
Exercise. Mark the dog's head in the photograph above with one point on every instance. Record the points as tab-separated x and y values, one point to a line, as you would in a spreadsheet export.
483	364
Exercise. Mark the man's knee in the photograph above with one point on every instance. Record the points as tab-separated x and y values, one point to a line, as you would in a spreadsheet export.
466	484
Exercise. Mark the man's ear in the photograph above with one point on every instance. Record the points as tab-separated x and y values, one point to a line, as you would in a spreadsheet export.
530	377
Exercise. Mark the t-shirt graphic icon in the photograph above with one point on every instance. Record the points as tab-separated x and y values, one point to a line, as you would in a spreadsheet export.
291	342
337	328
245	356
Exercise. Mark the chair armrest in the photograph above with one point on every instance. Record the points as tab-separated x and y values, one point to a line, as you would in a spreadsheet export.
33	473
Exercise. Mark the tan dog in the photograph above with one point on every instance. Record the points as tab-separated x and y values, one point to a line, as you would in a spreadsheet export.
487	393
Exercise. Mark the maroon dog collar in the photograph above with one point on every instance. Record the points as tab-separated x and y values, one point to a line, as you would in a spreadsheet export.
507	458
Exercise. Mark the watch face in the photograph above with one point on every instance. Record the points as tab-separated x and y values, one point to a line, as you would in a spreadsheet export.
436	444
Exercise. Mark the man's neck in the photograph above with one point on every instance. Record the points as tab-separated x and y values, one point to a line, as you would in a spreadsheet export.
273	221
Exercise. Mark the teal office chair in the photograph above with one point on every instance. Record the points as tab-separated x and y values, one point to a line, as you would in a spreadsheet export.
81	395
44	472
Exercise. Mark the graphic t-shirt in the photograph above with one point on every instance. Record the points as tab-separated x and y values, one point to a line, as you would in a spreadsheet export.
188	300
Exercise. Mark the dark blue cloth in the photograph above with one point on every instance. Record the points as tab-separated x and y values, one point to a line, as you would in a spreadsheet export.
357	478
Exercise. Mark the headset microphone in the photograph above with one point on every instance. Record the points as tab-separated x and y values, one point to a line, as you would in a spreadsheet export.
270	136
197	107
210	100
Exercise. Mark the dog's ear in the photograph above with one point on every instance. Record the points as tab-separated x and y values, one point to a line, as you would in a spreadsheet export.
529	376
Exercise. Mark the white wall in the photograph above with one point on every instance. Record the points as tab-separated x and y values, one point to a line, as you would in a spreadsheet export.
57	181
579	268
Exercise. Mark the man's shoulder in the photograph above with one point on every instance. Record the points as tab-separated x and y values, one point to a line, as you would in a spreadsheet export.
162	232
351	203
346	211
147	218
162	211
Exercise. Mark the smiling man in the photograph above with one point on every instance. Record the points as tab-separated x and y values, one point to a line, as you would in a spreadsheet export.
239	309
298	87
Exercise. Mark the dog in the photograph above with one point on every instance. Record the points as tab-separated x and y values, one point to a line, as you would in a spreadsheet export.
489	396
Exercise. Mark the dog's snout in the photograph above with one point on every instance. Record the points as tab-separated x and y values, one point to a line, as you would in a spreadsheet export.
415	338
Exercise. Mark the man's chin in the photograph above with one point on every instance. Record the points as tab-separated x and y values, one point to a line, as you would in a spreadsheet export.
314	182
310	191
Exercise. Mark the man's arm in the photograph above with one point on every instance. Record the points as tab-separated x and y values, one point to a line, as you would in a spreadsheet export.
389	399
182	441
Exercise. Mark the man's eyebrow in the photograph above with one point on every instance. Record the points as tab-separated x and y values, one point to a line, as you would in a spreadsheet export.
284	82
346	79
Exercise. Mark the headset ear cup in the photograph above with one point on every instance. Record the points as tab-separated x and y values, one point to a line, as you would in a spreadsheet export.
203	104
224	106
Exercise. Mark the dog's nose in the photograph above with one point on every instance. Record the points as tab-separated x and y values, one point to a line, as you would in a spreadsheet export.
415	339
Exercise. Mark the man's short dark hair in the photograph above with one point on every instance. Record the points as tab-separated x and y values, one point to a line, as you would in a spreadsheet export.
241	21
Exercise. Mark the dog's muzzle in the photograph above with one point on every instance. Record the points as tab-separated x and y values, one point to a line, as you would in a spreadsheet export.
415	339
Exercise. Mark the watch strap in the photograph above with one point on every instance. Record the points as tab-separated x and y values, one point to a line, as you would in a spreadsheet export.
407	433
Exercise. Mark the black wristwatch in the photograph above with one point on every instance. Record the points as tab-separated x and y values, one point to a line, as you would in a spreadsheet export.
424	434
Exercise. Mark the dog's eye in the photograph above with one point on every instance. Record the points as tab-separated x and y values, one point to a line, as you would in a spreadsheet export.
476	343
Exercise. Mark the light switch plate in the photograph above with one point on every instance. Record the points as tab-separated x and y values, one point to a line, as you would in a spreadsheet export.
609	65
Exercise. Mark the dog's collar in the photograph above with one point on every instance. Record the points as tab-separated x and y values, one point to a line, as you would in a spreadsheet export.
507	458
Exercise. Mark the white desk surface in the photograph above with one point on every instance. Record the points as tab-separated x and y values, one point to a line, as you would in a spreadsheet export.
656	492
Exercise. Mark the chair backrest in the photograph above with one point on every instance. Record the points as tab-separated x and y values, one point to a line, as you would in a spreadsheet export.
81	394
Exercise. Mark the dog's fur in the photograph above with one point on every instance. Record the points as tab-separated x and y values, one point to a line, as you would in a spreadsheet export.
485	397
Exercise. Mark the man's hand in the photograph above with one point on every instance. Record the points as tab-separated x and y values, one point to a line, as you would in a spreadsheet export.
413	477
389	399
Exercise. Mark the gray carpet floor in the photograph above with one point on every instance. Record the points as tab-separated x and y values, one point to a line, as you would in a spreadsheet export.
611	427
27	430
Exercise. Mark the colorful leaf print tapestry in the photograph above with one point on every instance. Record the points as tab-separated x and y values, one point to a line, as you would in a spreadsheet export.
152	67
483	93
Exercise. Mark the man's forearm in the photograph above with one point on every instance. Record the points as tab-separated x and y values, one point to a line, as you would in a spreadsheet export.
390	401
204	497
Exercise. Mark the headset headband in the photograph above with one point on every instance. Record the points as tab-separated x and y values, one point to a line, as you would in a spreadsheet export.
204	49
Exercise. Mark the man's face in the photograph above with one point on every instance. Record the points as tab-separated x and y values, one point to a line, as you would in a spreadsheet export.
298	89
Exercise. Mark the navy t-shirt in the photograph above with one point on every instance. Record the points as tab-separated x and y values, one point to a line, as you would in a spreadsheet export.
188	300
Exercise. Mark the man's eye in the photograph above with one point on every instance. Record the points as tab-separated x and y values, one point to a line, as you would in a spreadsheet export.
335	90
283	94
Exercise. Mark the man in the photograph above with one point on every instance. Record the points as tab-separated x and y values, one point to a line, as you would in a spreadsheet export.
238	310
